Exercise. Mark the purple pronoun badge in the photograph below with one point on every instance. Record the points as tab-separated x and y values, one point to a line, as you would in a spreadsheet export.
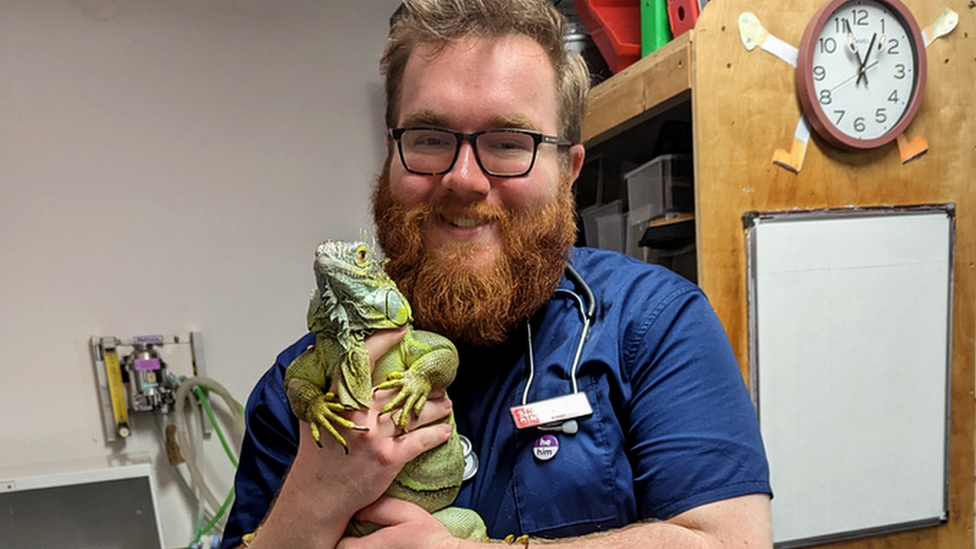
545	447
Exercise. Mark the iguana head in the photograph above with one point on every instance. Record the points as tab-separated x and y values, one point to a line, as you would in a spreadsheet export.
353	291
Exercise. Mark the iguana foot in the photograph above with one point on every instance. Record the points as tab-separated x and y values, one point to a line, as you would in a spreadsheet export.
324	410
411	398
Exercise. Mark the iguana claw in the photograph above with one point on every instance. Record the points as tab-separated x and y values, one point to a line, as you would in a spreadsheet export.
411	398
323	410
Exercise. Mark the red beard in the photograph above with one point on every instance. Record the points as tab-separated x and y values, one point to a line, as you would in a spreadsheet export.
477	307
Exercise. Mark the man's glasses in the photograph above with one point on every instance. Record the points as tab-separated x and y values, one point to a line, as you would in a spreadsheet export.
499	152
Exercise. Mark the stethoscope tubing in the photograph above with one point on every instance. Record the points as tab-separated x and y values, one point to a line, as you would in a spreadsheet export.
587	308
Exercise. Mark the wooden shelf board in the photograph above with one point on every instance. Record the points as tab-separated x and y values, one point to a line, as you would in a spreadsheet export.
650	85
680	218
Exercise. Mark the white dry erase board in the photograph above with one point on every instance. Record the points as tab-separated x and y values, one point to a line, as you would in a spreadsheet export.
849	320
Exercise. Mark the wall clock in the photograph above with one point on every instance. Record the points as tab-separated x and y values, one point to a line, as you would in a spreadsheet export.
860	72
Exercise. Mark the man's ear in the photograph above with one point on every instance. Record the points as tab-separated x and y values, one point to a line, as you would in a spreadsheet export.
577	153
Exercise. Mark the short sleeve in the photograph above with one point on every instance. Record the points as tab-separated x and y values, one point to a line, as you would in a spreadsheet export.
693	435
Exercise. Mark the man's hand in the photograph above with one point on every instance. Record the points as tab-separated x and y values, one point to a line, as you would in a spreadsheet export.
406	525
325	487
377	454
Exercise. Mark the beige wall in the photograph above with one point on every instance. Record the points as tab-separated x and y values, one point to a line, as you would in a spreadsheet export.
167	166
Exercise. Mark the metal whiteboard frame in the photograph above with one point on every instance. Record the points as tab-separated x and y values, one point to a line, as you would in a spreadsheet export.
753	219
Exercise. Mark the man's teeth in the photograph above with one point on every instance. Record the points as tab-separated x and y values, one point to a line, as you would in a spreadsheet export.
463	222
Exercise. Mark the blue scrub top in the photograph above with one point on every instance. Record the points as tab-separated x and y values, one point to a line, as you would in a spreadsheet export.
672	426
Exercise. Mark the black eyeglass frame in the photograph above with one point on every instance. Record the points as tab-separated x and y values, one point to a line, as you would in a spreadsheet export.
460	137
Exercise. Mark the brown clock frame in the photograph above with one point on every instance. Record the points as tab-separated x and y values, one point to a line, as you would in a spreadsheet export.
808	96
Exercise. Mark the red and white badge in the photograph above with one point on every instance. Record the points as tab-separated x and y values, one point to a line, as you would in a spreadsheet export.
552	410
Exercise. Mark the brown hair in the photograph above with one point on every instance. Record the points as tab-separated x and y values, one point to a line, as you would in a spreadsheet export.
439	22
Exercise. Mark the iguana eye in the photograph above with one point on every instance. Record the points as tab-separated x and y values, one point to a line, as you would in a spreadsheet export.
361	255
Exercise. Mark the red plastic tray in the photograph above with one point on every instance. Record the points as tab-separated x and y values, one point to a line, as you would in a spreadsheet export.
614	26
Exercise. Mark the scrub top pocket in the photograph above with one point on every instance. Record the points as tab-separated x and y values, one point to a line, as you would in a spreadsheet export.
584	484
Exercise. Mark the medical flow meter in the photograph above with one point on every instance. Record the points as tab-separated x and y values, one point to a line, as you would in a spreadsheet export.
138	381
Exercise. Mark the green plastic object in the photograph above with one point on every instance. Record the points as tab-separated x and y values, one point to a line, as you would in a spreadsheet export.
655	29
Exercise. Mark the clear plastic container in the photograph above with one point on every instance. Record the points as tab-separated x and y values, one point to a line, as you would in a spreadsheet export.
660	186
591	228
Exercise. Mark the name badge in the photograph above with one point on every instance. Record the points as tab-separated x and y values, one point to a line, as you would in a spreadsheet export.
552	410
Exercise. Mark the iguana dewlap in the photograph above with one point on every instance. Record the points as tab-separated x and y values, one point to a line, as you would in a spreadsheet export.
354	297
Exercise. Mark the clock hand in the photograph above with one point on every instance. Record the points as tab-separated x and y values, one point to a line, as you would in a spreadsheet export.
852	41
867	54
852	44
859	65
867	68
842	83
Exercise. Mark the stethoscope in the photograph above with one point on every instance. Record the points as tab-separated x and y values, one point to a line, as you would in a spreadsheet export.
586	305
553	415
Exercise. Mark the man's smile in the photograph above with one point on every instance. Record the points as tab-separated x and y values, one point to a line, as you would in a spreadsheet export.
464	222
463	228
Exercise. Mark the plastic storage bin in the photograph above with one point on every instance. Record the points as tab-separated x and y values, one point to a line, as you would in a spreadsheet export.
660	186
615	26
635	230
655	25
603	225
611	232
683	15
601	181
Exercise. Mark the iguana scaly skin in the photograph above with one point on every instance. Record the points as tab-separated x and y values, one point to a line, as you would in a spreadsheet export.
353	297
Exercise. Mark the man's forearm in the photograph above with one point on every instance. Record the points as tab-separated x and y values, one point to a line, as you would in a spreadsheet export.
643	535
300	518
737	523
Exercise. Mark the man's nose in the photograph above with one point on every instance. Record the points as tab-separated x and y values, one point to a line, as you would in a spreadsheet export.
466	178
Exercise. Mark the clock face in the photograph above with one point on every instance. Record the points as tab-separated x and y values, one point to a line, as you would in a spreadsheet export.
861	72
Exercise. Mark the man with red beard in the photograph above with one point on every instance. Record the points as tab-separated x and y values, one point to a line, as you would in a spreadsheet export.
474	209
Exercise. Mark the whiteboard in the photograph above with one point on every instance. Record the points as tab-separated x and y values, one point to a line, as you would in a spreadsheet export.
850	322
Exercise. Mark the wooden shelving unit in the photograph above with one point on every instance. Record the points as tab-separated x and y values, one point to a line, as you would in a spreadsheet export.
641	91
743	107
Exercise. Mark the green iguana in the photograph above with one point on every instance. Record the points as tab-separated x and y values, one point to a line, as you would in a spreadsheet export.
353	297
